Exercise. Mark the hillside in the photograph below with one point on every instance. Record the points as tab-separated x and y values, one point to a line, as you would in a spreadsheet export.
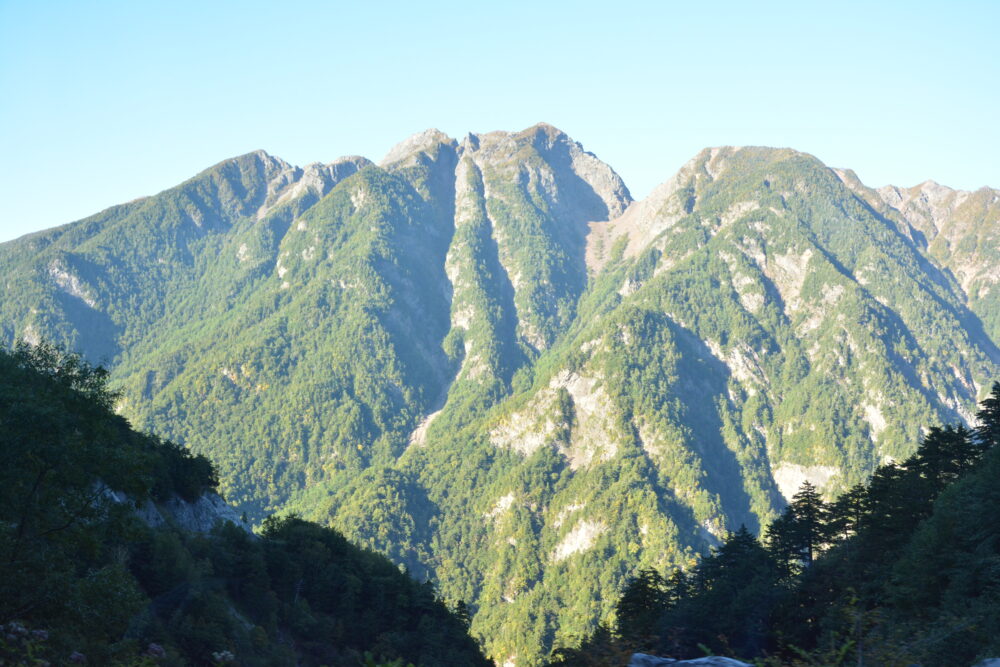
901	570
484	359
109	555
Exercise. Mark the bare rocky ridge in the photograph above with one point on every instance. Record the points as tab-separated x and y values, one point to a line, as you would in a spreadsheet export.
957	227
957	230
644	220
409	150
316	180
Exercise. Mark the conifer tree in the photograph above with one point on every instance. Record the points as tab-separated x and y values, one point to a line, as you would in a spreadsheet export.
944	454
677	587
846	514
800	533
641	606
732	597
988	433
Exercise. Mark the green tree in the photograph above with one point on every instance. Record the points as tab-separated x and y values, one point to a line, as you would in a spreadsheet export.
943	456
988	432
798	536
640	607
732	599
846	514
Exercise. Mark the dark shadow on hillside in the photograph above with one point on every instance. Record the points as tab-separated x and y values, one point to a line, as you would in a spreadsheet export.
702	385
419	318
97	334
577	206
943	278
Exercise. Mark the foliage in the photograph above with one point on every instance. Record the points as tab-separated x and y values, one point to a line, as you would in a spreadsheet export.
79	566
760	314
901	571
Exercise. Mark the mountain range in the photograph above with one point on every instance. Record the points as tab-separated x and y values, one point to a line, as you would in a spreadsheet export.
486	360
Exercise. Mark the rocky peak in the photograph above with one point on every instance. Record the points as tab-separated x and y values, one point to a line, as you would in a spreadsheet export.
559	149
644	220
543	136
926	206
427	142
262	162
344	166
712	163
577	174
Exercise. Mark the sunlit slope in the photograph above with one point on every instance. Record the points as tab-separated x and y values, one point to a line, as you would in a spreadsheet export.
484	359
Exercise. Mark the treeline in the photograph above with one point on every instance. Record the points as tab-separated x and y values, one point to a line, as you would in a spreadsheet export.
903	570
84	580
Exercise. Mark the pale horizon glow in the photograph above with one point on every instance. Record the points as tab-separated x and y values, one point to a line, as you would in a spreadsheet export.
102	103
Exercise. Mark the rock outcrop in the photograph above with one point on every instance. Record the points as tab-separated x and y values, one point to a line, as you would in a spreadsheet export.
197	516
645	660
200	516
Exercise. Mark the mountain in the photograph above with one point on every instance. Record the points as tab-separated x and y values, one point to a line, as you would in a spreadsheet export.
114	549
484	359
958	230
895	571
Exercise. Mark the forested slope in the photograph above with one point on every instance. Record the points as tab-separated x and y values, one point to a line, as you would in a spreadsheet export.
86	576
899	571
484	359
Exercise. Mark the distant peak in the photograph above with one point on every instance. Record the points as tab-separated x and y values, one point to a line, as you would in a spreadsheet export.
264	157
931	185
546	128
542	135
419	142
756	152
258	159
359	160
931	190
716	160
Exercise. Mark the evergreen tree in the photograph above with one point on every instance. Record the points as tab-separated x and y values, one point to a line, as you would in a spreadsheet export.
988	431
846	514
640	607
801	532
461	612
943	456
677	587
731	601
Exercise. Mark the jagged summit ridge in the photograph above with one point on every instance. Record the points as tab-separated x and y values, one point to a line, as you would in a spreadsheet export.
499	148
428	140
644	221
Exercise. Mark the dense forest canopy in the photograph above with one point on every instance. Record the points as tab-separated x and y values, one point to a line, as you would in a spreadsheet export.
485	360
902	570
84	579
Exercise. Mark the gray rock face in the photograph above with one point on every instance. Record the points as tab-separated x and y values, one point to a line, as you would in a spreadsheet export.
645	660
579	187
202	515
408	150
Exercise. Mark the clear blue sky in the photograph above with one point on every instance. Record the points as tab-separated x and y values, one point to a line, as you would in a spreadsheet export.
102	102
